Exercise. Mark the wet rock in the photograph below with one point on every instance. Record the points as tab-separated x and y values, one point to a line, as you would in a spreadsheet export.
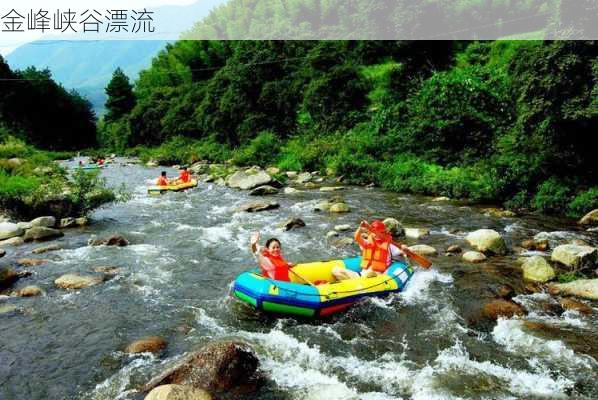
151	344
505	291
263	191
45	249
342	242
291	174
590	219
342	228
24	225
47	222
533	287
177	392
249	179
474	257
200	167
257	207
107	270
310	185
423	250
292	223
441	198
219	366
82	221
9	230
331	234
151	163
220	182
574	256
32	262
76	281
416	233
7	308
114	240
454	249
487	241
290	190
585	288
574	305
533	244
498	213
7	277
30	291
68	222
393	227
537	269
273	170
502	308
303	177
339	208
2	253
331	188
40	233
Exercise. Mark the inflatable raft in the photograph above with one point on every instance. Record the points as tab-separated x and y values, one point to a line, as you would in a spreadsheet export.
92	167
327	297
172	188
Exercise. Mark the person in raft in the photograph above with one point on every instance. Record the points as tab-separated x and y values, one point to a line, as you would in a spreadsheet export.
162	180
378	252
184	176
270	259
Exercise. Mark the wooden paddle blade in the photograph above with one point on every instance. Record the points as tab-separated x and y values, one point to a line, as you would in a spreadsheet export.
419	259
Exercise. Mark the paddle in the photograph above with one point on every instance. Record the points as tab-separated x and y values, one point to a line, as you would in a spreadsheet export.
420	260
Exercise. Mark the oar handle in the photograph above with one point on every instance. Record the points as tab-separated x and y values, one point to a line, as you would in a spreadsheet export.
300	277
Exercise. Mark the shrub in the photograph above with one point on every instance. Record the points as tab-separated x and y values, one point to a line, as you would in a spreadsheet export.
552	197
583	203
261	150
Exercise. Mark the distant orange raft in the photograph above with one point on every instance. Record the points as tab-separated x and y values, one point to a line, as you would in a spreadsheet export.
299	298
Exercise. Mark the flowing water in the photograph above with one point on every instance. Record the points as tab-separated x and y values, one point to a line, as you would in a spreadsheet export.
187	248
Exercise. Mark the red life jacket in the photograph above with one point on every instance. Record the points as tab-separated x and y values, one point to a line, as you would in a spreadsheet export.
375	255
162	181
280	270
184	176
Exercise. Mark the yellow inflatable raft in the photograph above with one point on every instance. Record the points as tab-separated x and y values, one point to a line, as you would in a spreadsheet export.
172	188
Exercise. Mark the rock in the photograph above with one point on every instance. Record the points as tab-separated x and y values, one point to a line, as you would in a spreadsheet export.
474	257
505	291
574	305
331	188
590	219
82	221
256	207
66	223
7	277
502	308
107	270
45	249
2	253
263	190
586	288
423	250
533	244
273	170
47	222
454	249
151	344
574	256
24	225
177	392
114	240
487	241
41	233
151	164
219	366
291	174
342	228
498	213
290	190
76	281
7	308
31	262
220	182
310	185
416	233
303	177
322	206
15	162
30	291
9	230
393	227
537	269
250	179
533	287
331	234
441	198
15	241
593	230
339	208
292	223
342	242
199	168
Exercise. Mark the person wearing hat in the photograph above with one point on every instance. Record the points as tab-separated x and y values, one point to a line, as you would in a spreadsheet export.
377	252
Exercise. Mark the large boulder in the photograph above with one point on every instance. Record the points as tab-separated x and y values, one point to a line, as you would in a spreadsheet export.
256	207
416	233
474	257
48	222
537	269
423	250
590	219
76	281
586	288
575	256
177	392
218	366
263	190
151	344
248	179
9	230
393	226
487	241
41	233
113	240
339	208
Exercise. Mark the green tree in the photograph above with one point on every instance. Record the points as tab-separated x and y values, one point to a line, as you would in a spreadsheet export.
121	99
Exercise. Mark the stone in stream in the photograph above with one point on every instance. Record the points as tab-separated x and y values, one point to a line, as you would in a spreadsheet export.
487	241
107	270
441	198
227	366
7	308
248	179
290	190
331	188
24	225
9	230
41	233
45	249
273	170
590	219
574	305
423	250
82	221
575	256
47	222
263	190
310	185
585	288
342	228
416	233
68	222
29	291
339	208
76	281
474	257
291	174
455	248
533	244
151	344
393	227
292	223
498	213
303	177
502	308
2	253
331	234
342	242
177	392
537	269
32	262
7	277
256	207
113	240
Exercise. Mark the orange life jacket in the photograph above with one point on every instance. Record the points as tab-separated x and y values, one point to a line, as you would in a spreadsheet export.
184	176
375	255
281	267
162	181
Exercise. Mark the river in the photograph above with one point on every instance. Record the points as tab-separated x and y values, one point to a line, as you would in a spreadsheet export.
186	250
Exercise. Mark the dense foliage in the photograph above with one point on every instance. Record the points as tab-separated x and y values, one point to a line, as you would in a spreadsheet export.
507	121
